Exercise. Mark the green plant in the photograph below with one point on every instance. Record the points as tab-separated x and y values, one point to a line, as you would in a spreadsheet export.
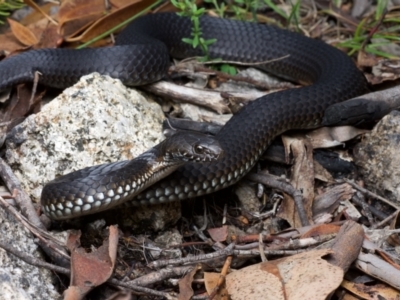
294	14
189	9
380	9
373	34
249	6
276	9
6	6
219	8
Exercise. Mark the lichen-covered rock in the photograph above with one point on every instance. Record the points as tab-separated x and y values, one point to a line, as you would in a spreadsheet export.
19	280
378	156
98	120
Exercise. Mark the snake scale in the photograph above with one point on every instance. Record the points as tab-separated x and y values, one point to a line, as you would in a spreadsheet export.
141	55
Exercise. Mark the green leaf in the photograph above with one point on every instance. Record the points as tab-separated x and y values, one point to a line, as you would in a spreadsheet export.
371	49
360	28
209	41
196	23
195	41
380	8
228	69
200	12
187	41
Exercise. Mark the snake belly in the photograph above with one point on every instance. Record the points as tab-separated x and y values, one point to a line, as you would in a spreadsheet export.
141	55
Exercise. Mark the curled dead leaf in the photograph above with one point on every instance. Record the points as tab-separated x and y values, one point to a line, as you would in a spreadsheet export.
23	34
89	270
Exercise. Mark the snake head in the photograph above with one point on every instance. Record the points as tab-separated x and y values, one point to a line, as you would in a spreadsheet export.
190	146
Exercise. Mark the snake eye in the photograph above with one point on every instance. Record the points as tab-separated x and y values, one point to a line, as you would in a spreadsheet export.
199	149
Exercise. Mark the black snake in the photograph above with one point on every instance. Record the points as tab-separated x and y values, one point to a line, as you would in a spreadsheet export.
141	55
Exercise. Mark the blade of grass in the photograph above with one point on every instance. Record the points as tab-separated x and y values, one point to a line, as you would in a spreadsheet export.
276	9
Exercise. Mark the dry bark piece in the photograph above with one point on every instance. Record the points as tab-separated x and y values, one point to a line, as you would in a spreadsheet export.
347	245
378	268
330	200
376	291
209	99
369	107
327	137
302	178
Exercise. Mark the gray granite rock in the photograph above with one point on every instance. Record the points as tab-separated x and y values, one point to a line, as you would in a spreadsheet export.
19	280
98	120
378	156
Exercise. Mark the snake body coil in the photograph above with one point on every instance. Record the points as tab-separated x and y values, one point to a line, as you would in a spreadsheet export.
141	56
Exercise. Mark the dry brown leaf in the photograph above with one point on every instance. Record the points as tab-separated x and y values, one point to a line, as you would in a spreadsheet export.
50	37
89	270
24	35
384	70
321	173
39	13
367	60
35	26
19	106
211	281
9	43
394	238
47	32
301	276
348	296
74	16
118	4
219	234
322	229
377	291
111	20
185	285
253	283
